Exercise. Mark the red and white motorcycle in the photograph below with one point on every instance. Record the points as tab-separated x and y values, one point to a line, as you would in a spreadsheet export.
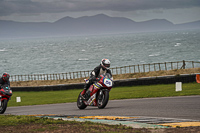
99	95
5	95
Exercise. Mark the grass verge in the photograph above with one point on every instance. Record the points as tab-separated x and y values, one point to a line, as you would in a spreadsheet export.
27	124
65	96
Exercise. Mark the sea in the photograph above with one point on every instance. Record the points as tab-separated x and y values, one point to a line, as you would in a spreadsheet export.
48	55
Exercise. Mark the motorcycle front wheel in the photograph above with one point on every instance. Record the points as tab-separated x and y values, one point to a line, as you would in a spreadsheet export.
80	103
102	99
3	106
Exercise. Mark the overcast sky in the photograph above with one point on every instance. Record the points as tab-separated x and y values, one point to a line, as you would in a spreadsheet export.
176	11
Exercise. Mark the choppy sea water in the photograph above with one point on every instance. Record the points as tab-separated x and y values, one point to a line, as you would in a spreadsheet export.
78	53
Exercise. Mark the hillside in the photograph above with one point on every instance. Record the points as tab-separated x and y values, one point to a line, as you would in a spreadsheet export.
88	25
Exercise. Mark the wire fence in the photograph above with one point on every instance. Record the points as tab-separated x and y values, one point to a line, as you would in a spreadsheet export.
140	68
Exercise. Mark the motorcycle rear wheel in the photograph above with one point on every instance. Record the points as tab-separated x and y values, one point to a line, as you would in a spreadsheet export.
3	106
80	103
102	99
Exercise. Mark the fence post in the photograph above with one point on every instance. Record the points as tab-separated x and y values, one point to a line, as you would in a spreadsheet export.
159	67
183	66
66	76
177	64
144	68
84	74
80	74
171	65
138	68
149	68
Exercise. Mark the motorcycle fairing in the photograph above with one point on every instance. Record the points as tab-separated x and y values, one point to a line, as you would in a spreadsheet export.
91	101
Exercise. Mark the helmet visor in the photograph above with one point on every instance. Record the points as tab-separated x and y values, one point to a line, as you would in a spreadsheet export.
107	65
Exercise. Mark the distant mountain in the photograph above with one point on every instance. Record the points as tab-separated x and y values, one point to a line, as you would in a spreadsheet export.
88	25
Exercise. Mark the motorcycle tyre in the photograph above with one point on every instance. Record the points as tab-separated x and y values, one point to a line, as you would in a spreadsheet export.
4	106
82	104
105	101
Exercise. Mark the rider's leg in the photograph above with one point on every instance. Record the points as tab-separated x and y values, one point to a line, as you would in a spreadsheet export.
86	86
85	94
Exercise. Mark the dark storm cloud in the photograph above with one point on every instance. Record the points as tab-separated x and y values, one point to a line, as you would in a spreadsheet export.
8	7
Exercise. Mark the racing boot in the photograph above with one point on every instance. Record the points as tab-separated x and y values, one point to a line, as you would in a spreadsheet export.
86	96
83	93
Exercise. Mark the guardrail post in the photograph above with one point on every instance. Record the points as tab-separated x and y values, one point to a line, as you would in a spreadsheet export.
138	68
171	65
149	68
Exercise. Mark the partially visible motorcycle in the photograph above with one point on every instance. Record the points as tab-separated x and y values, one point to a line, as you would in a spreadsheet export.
5	95
99	95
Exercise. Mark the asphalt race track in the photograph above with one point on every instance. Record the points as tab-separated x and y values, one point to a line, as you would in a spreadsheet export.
183	107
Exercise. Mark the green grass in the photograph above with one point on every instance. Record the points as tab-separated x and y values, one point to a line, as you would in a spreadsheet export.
11	120
154	91
49	97
26	124
43	97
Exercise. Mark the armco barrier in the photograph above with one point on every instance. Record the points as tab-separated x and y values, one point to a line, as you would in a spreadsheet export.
186	78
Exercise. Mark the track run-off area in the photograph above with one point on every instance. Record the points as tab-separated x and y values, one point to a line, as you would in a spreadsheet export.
181	111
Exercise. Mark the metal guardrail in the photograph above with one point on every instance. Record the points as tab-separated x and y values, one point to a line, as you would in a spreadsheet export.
140	68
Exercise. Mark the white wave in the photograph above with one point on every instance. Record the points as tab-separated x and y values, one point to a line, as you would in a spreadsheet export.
83	50
156	54
84	59
177	44
3	50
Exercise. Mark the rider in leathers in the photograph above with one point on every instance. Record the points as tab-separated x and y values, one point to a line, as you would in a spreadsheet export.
100	69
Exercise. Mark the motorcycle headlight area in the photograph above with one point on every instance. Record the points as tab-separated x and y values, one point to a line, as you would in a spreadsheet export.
107	82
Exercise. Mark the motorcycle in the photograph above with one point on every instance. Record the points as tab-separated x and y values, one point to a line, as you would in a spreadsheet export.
99	95
5	95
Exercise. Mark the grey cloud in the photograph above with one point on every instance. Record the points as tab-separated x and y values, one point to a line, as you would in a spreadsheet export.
8	7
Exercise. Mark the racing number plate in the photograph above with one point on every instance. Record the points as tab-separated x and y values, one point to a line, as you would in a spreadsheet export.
108	82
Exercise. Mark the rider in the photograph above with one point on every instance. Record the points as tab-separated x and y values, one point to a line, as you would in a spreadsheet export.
100	69
4	80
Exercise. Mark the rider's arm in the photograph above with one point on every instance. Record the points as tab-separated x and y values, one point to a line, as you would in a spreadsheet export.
108	71
96	71
8	83
94	74
1	81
